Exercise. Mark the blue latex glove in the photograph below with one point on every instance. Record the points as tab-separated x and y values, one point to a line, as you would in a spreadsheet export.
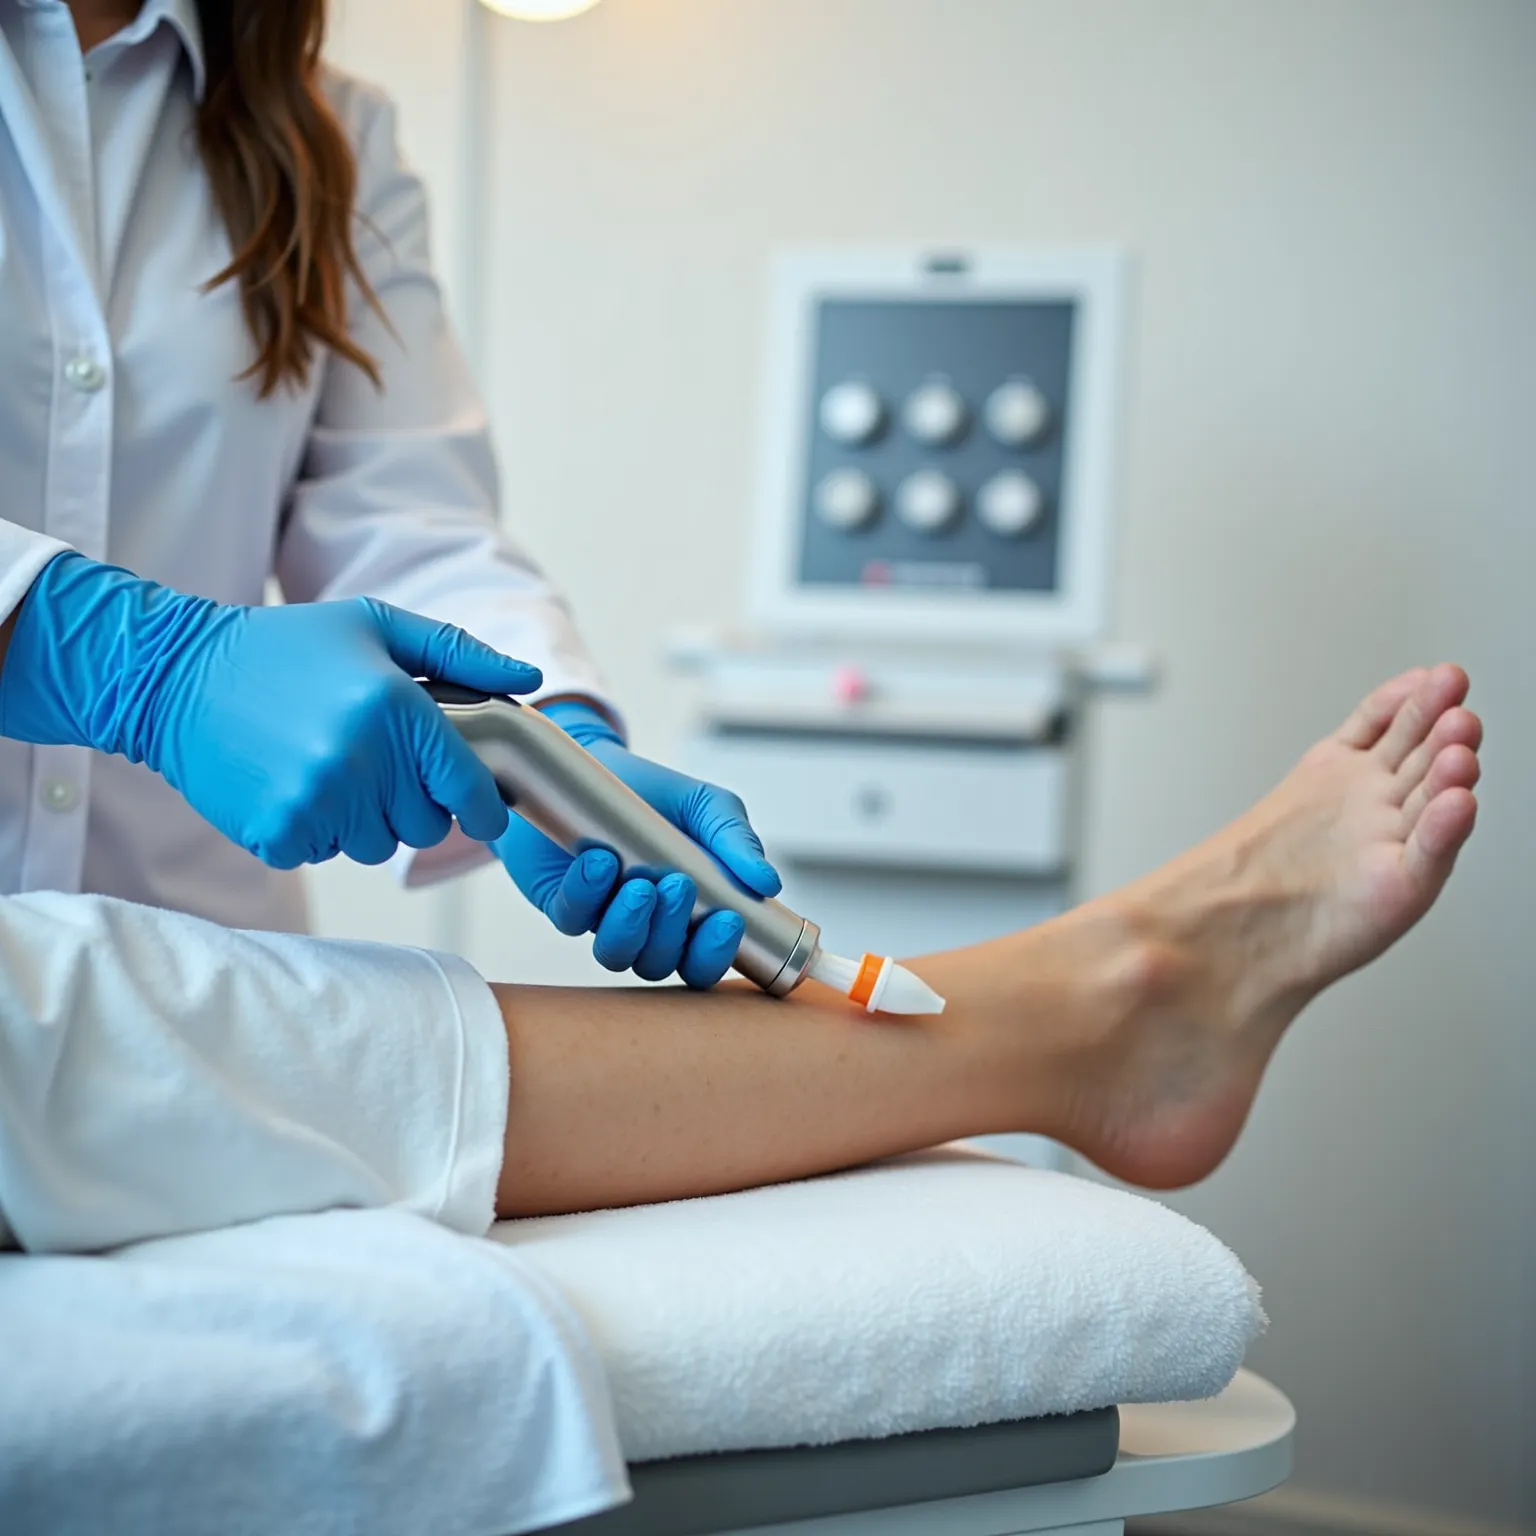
298	732
640	925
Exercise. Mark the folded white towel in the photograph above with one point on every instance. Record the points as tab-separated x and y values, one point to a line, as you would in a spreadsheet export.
945	1289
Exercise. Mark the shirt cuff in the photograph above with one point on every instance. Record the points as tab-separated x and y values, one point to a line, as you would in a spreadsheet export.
23	553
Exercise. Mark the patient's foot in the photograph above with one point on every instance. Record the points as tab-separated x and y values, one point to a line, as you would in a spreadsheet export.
1209	959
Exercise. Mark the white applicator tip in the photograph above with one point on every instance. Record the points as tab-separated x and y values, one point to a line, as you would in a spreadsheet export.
899	991
877	983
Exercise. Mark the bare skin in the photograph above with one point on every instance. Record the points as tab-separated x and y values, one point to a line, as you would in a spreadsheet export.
97	20
1135	1029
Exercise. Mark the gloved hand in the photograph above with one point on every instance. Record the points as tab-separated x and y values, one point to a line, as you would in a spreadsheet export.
640	925
298	732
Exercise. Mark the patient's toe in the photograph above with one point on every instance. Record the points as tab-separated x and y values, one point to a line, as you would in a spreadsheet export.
1443	689
1374	713
1456	767
1430	853
1456	727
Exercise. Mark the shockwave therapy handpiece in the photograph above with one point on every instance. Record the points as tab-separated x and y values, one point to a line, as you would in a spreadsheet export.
557	785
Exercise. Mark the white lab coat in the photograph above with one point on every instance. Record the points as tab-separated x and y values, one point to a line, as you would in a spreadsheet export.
125	433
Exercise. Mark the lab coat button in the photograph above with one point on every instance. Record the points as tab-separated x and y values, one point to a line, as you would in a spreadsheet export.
85	374
60	795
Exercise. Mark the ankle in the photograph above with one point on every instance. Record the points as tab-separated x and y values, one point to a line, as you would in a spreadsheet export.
1044	1014
1208	942
1135	961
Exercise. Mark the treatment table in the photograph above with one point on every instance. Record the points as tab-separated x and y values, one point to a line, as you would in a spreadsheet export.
1075	1475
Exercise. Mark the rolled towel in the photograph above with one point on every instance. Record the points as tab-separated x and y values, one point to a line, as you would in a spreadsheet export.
949	1288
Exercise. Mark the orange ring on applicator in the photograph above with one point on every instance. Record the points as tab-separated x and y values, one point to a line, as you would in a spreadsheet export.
864	983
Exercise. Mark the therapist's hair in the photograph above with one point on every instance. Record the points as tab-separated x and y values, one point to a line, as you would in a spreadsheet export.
284	178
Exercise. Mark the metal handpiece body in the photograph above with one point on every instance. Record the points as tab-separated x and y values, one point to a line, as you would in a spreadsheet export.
557	785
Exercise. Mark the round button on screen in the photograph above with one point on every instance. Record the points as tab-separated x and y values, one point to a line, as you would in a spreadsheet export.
1016	413
935	413
847	499
928	501
1010	503
851	413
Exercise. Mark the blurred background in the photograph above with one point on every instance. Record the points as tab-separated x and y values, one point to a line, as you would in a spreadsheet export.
1328	474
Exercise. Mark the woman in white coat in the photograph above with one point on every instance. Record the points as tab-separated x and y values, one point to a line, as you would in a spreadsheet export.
224	359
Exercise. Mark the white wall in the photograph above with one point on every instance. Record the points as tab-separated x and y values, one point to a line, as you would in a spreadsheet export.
1332	207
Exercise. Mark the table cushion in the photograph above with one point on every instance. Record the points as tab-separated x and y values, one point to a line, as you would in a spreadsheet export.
693	1495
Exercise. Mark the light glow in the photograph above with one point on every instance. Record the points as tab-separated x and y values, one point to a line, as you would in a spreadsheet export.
538	10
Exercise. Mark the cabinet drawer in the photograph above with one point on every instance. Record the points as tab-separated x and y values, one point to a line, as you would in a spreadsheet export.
999	808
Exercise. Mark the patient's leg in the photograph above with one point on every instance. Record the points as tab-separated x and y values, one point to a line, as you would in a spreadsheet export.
1135	1028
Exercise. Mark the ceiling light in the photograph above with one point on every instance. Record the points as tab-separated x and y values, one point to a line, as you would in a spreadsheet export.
539	10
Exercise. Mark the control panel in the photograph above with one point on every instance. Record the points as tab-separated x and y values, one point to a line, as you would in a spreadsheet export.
938	446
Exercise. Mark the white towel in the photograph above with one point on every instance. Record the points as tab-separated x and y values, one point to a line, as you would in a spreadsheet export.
945	1289
357	1372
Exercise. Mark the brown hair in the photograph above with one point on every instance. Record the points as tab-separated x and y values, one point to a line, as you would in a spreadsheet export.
285	180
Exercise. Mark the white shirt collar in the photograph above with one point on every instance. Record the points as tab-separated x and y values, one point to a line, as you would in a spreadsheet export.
180	15
182	18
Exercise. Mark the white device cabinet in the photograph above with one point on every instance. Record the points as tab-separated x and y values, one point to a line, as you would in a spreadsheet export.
994	808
